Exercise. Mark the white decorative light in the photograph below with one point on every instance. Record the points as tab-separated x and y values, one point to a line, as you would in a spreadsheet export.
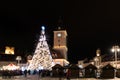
43	27
42	58
115	49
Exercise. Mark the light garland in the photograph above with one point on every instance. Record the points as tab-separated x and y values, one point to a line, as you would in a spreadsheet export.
42	57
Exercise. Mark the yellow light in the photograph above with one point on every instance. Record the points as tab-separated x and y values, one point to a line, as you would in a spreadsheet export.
9	50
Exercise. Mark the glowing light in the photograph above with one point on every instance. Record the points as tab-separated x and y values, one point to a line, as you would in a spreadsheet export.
80	66
41	58
40	68
59	34
11	67
9	50
43	27
115	49
23	68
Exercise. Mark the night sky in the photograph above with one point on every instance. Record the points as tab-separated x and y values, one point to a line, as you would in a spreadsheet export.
90	25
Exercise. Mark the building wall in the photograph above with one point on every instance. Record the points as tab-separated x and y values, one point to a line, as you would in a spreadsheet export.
60	43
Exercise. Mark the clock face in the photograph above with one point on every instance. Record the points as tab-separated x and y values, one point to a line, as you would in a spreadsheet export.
59	35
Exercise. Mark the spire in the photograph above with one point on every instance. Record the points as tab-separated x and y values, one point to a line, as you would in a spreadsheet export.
60	20
98	52
60	23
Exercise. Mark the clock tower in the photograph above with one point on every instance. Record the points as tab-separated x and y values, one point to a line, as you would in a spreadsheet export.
60	44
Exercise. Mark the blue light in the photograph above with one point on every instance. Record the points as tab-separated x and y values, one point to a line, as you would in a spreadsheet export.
43	27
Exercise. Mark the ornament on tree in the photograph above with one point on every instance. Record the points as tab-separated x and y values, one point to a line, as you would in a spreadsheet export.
42	57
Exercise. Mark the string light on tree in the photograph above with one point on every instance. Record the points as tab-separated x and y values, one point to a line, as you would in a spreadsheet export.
42	57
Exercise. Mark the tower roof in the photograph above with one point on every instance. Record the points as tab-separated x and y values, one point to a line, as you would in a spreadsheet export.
60	21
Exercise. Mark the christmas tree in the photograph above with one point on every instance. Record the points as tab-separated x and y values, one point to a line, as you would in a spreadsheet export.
42	57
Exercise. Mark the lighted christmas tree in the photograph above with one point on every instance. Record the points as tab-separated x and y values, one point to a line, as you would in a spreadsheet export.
42	57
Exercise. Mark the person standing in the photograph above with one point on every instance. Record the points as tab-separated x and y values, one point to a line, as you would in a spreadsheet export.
68	74
25	73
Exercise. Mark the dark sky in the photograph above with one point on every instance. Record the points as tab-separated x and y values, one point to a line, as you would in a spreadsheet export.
90	25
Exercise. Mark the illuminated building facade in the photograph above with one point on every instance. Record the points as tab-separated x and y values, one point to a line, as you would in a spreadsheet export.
97	59
60	46
9	50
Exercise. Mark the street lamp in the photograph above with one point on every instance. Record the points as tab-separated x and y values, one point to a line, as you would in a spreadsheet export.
18	58
115	49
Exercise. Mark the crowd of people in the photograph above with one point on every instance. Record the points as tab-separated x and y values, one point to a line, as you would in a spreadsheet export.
10	73
25	73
